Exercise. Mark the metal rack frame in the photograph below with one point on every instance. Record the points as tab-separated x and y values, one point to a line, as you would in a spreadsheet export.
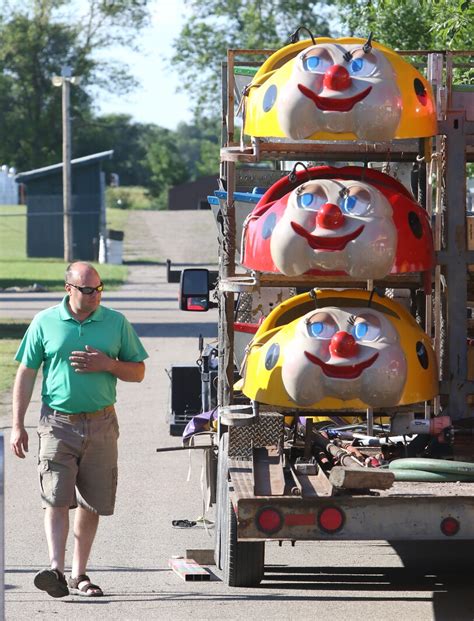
456	130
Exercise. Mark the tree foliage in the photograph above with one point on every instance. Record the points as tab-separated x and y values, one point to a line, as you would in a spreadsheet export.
213	26
410	24
39	37
453	23
128	140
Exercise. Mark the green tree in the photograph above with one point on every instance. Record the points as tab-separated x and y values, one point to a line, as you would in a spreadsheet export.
128	139
38	38
199	145
167	167
213	26
454	22
410	24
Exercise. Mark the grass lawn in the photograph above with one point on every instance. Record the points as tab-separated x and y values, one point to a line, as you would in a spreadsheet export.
11	332
17	270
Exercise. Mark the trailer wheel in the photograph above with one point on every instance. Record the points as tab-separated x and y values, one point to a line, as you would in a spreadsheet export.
222	459
243	563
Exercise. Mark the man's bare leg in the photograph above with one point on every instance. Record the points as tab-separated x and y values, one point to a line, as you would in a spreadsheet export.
85	528
56	526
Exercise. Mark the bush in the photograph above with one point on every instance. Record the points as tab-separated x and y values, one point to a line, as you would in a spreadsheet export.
131	197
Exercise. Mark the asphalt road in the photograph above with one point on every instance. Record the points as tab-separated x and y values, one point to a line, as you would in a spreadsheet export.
132	549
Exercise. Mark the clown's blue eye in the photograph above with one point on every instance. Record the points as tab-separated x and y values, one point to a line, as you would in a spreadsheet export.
360	330
362	66
356	204
306	200
349	204
366	329
315	329
316	63
357	65
311	63
324	329
311	200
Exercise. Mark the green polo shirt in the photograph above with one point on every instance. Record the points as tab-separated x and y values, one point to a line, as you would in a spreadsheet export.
54	334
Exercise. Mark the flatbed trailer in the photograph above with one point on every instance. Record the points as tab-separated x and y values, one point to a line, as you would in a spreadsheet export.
261	494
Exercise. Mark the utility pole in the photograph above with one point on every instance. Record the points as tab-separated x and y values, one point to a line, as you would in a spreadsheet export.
65	80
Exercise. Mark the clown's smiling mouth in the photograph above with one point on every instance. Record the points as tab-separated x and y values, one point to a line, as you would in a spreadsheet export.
332	103
326	243
343	371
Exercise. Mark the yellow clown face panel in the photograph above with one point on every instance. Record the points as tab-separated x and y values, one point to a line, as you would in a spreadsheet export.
349	350
337	227
339	88
344	354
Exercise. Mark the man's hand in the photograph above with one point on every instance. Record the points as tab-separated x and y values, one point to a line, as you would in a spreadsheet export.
91	361
19	441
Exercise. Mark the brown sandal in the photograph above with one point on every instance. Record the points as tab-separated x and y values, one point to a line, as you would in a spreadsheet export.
87	590
52	581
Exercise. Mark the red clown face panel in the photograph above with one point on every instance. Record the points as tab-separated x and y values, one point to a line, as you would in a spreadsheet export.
335	226
350	221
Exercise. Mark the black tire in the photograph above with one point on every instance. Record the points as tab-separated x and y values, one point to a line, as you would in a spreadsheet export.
222	459
242	563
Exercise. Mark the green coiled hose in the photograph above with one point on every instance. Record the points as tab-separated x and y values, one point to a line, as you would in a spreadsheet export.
431	470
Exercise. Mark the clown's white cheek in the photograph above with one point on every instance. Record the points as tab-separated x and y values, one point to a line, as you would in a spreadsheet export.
378	116
383	383
301	378
297	115
372	254
289	251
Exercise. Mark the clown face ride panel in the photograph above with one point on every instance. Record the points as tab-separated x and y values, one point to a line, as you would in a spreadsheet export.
338	89
344	221
340	350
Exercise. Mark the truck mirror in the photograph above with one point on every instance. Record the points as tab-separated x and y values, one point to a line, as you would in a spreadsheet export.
194	290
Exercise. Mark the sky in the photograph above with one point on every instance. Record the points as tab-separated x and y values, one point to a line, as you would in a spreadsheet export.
156	100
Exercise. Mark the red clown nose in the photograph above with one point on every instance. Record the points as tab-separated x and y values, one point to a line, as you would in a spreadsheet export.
337	78
330	216
343	345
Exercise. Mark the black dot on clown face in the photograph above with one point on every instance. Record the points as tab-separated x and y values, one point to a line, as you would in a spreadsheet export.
268	225
422	355
269	98
272	356
420	91
415	225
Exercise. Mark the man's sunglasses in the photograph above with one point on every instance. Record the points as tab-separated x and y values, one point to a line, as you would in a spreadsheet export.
88	290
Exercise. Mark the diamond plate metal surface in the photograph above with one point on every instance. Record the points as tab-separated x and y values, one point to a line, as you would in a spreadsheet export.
267	431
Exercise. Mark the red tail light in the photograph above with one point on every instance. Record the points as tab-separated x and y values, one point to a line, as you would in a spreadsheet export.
269	520
450	526
331	519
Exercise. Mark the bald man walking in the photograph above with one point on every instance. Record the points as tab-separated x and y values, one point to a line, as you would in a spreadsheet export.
84	348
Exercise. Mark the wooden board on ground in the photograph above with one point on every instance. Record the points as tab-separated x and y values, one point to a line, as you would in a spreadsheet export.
188	570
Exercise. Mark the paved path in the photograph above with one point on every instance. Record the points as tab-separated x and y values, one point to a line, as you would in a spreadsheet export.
130	557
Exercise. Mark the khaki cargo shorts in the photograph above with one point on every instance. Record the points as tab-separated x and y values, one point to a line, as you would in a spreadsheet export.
77	459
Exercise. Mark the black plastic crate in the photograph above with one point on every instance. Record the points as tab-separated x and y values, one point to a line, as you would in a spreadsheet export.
185	396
